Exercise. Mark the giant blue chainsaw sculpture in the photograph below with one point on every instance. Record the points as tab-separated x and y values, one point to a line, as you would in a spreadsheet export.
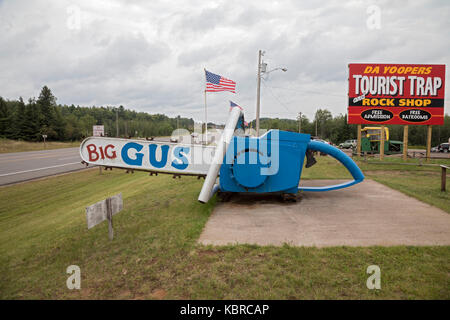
271	163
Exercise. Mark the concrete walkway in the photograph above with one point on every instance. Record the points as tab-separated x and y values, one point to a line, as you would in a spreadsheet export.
363	215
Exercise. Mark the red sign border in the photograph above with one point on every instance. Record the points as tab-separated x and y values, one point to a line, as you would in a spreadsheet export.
356	117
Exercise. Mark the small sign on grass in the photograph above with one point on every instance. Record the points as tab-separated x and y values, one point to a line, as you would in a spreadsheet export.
104	210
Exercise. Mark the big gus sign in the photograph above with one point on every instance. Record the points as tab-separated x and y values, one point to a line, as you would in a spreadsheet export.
146	155
396	94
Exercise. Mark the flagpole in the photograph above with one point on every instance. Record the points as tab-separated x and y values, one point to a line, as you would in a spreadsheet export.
206	122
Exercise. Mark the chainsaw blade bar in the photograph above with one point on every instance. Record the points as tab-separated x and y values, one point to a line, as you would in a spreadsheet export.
151	156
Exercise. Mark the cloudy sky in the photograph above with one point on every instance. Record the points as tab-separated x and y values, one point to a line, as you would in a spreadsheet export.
150	55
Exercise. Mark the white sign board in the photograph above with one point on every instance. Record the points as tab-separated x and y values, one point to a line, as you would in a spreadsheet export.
98	212
98	131
147	155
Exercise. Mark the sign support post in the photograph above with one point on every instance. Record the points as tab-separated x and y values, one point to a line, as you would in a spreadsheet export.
358	143
45	137
382	143
405	142
109	218
429	142
104	210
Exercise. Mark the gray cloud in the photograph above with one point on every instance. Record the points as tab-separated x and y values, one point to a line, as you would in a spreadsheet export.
150	55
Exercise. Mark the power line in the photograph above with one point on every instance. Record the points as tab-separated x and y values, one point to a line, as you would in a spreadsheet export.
313	92
276	98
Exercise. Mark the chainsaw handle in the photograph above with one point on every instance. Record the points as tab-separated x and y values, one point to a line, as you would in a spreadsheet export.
351	166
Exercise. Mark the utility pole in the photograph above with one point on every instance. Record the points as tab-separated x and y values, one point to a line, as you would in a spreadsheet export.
299	122
258	91
178	128
316	126
262	68
117	123
382	139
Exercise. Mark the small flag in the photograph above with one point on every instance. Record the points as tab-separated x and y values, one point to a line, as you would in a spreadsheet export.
216	83
246	123
233	105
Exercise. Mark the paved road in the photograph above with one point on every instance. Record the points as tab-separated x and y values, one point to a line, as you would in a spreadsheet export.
22	166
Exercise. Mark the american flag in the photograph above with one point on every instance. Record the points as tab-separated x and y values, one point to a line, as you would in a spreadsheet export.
233	105
216	83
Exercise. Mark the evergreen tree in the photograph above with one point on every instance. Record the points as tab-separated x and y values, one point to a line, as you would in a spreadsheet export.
31	121
5	118
43	116
19	121
46	103
59	124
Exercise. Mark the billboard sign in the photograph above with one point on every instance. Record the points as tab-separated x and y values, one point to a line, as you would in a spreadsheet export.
98	131
396	94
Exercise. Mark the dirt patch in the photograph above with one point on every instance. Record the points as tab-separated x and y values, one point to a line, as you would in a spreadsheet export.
207	253
159	294
127	294
85	293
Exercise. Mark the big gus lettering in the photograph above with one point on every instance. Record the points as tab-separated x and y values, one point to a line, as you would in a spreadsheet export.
137	161
152	155
159	161
181	161
92	151
101	152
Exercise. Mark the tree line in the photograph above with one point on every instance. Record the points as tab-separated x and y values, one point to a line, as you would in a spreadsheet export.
43	116
336	129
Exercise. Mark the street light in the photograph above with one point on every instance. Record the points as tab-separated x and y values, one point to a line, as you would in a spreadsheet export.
262	69
267	72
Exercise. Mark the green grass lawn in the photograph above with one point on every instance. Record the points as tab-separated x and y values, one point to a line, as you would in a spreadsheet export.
7	145
398	160
155	254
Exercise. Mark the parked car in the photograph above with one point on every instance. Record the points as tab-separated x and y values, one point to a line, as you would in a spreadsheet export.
444	147
321	140
318	139
348	144
435	149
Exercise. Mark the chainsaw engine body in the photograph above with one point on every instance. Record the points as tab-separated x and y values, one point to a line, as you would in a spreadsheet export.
274	163
264	164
